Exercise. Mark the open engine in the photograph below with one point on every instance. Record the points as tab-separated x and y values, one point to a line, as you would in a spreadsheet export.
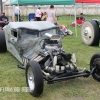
58	60
52	42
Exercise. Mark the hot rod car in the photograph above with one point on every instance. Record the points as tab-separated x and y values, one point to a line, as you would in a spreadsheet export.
38	46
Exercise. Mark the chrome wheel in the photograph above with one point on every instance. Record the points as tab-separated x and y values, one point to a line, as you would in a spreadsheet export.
90	33
87	34
34	78
30	78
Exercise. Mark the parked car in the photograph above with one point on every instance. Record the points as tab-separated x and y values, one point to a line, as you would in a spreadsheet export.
38	46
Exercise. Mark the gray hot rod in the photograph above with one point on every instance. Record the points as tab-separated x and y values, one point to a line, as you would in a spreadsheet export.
38	46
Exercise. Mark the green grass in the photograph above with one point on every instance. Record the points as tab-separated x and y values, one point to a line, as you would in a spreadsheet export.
75	89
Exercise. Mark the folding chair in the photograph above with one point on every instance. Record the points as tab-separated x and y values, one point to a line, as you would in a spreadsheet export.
31	16
79	22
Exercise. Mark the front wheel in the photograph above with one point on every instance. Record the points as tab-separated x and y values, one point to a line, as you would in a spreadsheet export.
34	78
95	63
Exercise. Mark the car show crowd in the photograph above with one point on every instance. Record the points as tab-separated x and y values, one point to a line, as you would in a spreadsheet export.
49	15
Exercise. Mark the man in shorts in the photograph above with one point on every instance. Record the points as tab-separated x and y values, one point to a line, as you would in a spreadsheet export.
3	20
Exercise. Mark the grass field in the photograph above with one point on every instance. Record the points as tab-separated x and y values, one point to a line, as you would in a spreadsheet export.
12	79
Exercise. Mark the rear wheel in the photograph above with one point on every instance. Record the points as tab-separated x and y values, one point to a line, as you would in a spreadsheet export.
90	33
34	78
2	41
95	62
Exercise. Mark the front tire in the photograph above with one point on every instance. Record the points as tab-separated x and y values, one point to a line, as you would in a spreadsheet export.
95	62
90	33
34	78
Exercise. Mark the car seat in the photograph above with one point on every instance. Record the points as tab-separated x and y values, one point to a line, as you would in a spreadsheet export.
31	16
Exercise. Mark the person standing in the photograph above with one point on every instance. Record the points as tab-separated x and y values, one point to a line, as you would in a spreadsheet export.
38	14
17	13
51	15
3	20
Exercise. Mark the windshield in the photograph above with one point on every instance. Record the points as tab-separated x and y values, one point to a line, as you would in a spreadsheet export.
25	33
52	31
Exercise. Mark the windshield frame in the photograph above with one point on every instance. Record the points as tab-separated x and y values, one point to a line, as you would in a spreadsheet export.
54	28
